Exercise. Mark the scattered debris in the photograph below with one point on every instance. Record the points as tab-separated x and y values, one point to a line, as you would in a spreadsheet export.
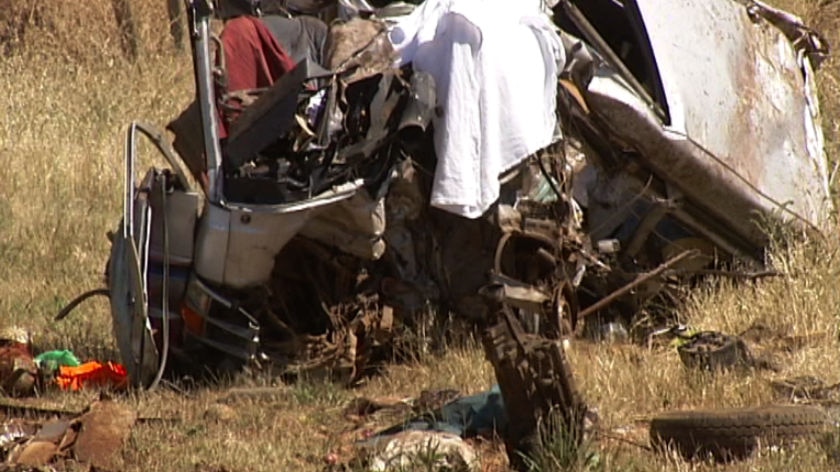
481	414
18	370
92	374
806	389
27	407
103	429
433	400
710	350
50	361
94	437
362	406
14	432
22	374
35	454
52	431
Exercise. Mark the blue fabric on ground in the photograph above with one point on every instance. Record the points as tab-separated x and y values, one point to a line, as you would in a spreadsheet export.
468	416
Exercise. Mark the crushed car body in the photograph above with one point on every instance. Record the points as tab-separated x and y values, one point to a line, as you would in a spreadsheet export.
297	226
732	127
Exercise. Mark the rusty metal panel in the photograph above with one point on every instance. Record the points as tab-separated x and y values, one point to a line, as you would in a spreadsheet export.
736	88
742	136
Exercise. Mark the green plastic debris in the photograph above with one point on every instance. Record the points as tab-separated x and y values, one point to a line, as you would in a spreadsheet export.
684	337
50	361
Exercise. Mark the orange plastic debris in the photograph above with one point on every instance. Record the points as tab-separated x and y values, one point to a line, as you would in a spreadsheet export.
92	374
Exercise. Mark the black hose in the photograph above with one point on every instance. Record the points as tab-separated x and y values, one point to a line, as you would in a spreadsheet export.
76	301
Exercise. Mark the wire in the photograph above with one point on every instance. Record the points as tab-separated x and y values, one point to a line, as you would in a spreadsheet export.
784	208
549	178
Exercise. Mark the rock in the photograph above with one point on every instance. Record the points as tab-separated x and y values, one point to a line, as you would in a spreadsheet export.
430	450
36	454
104	428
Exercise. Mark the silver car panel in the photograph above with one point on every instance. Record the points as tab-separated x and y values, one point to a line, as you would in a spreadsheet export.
744	132
236	243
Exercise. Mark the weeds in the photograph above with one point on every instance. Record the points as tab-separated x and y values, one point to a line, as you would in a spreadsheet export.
830	443
431	458
560	449
319	392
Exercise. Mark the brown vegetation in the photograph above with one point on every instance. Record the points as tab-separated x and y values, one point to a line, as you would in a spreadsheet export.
69	92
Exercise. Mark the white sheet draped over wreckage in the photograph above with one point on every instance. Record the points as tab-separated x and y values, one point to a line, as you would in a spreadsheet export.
495	65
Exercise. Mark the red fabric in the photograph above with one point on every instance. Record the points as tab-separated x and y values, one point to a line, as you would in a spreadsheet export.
93	374
253	57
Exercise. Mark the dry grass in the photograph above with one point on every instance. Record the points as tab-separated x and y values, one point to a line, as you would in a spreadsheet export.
799	314
69	95
61	145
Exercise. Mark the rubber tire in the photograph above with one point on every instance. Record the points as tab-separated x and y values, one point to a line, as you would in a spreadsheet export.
729	434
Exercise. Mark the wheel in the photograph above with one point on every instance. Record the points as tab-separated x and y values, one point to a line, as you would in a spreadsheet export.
734	433
518	257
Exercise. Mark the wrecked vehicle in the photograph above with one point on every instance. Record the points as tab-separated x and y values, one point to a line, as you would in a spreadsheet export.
296	229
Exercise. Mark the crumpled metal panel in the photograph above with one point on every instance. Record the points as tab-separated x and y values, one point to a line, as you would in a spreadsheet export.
236	243
355	225
744	133
129	310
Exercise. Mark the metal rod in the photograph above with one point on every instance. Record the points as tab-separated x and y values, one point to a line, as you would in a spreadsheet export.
734	274
156	136
640	279
164	353
714	237
200	13
128	189
644	229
